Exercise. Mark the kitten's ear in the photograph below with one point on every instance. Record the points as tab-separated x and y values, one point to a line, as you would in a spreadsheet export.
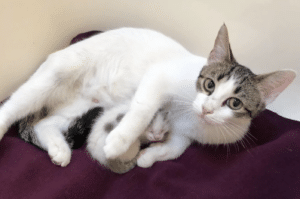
272	84
221	51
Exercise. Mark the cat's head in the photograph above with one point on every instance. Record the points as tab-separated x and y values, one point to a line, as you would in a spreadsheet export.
230	95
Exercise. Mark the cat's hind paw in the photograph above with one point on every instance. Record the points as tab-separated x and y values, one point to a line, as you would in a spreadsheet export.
145	160
115	145
60	154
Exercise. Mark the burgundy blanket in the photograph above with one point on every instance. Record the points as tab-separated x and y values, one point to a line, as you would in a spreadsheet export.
269	167
264	165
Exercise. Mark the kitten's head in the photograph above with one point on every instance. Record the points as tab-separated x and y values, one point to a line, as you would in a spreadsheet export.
159	126
230	95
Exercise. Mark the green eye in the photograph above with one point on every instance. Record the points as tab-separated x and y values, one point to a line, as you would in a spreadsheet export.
234	103
209	85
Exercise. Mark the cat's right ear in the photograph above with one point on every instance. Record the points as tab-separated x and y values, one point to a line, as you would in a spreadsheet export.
272	84
221	52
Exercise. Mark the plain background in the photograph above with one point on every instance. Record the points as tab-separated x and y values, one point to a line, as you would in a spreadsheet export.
264	34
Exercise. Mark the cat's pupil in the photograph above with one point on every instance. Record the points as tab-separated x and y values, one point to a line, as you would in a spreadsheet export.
211	84
236	102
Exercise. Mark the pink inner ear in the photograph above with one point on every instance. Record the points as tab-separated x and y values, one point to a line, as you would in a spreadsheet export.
275	83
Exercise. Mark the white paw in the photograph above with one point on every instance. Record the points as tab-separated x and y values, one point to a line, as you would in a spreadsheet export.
60	154
145	159
115	145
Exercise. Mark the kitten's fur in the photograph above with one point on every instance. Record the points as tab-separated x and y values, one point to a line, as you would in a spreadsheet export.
79	129
148	68
157	131
75	135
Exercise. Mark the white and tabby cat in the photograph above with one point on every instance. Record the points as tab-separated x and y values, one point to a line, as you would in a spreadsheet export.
149	68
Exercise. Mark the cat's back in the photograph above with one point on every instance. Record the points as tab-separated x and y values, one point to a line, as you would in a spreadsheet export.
138	42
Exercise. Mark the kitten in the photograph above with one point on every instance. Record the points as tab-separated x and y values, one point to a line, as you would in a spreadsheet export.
80	128
148	68
157	131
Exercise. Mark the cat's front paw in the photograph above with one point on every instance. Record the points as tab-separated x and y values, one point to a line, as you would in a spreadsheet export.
60	154
115	145
145	159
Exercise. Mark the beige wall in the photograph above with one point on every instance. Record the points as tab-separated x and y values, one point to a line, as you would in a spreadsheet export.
264	34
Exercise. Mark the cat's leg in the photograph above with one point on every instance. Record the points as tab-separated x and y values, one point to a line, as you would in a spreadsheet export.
49	134
169	150
148	98
46	85
27	99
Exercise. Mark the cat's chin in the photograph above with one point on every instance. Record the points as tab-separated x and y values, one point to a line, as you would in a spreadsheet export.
230	131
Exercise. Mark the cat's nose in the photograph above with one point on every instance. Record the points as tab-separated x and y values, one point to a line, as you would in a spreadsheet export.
206	111
157	137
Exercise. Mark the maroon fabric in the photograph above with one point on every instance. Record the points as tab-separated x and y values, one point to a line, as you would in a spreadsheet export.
269	167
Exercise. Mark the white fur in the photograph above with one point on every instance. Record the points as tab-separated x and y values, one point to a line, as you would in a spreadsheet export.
140	65
96	140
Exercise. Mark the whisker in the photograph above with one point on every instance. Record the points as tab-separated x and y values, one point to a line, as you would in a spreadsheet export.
236	126
226	143
244	145
234	133
236	146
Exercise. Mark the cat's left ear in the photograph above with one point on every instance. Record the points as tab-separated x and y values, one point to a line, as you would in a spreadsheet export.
272	84
221	51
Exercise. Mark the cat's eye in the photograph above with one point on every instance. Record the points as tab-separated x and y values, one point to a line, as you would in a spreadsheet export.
209	85
234	103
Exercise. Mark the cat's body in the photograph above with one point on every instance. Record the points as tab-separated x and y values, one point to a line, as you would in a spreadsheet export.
149	69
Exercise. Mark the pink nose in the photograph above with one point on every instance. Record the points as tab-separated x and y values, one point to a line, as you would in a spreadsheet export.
157	137
206	111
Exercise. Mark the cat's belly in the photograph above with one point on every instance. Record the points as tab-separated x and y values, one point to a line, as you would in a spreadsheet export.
107	97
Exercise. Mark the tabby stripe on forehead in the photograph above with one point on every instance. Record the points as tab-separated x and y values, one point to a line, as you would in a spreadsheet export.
231	70
220	77
238	89
244	79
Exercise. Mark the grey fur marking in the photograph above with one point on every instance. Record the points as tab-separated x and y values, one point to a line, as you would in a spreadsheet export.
109	127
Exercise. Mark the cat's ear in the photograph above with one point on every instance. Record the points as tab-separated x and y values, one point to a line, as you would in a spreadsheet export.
272	84
221	51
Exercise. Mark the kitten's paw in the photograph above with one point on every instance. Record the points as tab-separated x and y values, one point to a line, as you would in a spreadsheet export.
60	154
115	145
145	159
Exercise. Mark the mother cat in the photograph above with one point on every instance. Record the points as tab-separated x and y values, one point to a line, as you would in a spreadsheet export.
144	66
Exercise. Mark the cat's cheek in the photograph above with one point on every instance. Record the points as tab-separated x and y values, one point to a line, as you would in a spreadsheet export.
225	114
